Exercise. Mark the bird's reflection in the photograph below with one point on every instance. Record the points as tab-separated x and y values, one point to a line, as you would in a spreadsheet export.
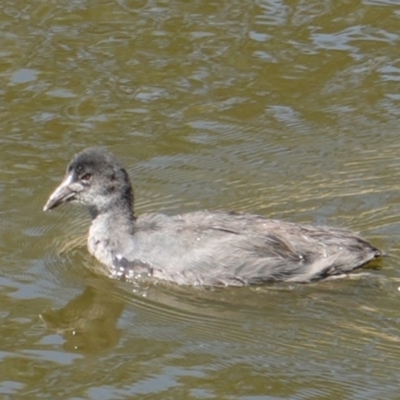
88	323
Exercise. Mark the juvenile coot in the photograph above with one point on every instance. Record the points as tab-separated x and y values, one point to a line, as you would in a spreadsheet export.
202	247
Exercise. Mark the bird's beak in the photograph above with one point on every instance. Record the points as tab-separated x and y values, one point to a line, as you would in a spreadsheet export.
64	192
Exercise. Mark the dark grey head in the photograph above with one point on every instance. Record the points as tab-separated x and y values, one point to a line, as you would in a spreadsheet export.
96	179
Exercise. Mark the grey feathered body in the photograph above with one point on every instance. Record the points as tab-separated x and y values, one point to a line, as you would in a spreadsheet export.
198	248
221	248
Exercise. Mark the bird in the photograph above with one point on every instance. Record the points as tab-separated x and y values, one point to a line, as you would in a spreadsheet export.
199	248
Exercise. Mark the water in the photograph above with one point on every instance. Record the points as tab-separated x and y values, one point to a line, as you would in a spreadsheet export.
288	109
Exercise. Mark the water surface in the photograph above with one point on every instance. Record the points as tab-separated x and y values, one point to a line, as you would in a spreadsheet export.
288	109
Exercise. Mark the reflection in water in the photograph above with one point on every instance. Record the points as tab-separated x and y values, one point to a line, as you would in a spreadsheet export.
88	323
198	336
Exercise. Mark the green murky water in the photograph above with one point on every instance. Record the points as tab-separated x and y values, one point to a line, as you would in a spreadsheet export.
285	108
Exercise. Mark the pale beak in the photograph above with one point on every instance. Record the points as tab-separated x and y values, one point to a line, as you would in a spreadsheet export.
64	192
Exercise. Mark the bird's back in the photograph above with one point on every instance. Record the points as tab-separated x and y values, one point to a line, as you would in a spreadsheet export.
209	248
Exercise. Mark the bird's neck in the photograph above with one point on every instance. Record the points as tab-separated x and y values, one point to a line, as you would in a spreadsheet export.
109	233
115	205
118	218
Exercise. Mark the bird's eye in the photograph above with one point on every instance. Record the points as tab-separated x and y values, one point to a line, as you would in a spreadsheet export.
86	177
